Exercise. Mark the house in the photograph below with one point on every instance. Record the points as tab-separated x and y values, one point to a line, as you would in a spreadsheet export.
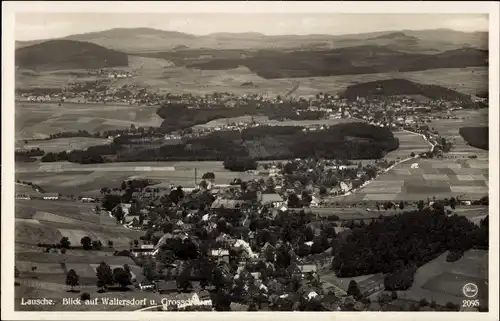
50	196
220	254
23	196
226	203
307	268
125	207
272	199
166	286
315	202
147	286
87	200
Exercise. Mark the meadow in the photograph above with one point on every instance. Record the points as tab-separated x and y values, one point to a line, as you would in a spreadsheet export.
442	281
464	178
38	120
63	144
40	221
163	76
450	127
408	143
264	120
77	179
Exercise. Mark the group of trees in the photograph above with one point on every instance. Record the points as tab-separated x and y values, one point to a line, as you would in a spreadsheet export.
476	136
239	164
107	277
88	244
92	155
342	141
396	243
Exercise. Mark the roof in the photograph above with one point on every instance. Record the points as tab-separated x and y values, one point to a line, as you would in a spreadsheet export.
125	208
307	268
50	195
226	203
219	252
167	285
270	198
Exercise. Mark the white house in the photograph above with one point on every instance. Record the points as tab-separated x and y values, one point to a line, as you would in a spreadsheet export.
51	196
414	165
272	199
315	202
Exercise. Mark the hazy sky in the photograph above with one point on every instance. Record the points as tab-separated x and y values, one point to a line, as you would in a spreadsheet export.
30	26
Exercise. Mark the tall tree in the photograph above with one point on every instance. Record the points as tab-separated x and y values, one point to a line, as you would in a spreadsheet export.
121	277
65	243
354	290
86	242
72	279
104	275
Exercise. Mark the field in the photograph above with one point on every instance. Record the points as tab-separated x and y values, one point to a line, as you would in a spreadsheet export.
38	120
408	143
61	177
464	178
449	128
39	221
443	281
48	221
63	144
161	76
264	120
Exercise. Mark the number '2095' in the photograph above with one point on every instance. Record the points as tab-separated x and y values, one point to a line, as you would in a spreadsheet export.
470	303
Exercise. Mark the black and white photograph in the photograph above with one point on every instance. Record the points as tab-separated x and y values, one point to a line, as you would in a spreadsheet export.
251	161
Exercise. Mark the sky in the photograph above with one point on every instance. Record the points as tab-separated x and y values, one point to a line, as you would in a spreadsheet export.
34	26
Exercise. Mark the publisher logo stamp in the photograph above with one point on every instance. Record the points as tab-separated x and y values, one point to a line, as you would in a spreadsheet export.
470	290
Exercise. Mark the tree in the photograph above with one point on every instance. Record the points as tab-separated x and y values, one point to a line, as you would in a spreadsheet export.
453	202
412	154
104	275
203	184
148	270
121	277
85	296
110	201
118	214
420	205
123	186
86	242
136	243
65	243
96	245
208	175
110	244
72	279
293	201
401	205
354	290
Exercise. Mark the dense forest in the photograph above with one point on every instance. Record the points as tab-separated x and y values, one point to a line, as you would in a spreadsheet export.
395	243
476	136
342	141
68	54
365	59
392	87
177	116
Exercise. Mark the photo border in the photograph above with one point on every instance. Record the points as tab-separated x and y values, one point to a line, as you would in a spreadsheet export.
8	177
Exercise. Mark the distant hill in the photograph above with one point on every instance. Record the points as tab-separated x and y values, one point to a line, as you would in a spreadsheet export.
364	59
141	40
393	87
68	54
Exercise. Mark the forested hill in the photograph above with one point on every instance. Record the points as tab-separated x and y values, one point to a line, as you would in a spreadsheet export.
392	87
68	54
